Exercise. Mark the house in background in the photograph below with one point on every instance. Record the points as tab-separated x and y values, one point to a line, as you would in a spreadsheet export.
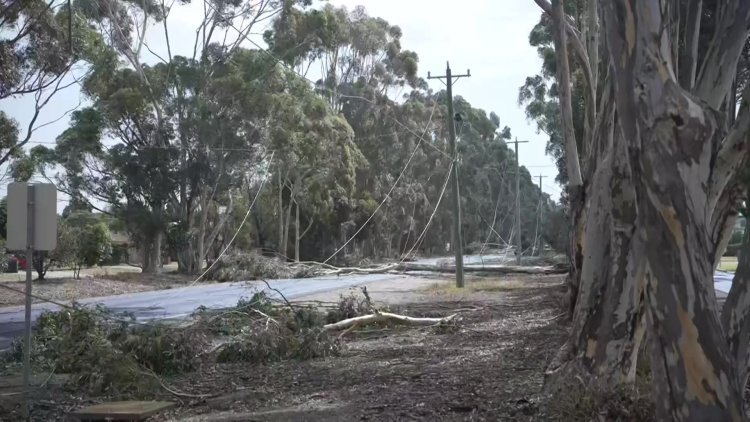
123	250
126	251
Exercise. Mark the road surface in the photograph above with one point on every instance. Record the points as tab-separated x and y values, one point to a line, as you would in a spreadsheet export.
181	302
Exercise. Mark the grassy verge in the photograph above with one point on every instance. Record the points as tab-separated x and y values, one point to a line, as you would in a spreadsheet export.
449	290
728	263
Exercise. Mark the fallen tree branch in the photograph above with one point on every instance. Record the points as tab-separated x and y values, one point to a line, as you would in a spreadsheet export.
414	266
174	392
386	316
496	269
289	304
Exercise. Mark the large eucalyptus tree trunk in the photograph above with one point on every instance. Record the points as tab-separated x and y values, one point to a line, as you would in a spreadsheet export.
658	203
607	323
673	140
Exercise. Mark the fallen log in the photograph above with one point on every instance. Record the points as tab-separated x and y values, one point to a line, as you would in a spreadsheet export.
494	269
329	270
386	316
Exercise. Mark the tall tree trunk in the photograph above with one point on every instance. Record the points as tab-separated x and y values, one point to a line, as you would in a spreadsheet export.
281	218
575	181
607	327
199	238
671	141
287	223
200	248
296	232
148	264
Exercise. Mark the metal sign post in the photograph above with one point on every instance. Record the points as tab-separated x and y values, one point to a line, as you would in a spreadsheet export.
27	319
32	225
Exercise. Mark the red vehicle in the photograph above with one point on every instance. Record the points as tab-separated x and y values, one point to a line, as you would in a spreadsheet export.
20	260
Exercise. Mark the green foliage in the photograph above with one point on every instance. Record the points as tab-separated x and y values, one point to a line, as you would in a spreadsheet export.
94	244
108	354
188	138
240	266
258	302
79	342
83	240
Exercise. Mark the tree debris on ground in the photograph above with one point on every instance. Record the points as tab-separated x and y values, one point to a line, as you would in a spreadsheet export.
318	268
246	266
112	355
243	266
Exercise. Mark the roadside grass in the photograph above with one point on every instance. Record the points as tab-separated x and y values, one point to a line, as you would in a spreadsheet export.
449	290
728	263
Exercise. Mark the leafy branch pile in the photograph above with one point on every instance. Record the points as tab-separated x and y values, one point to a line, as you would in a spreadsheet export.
113	355
242	266
258	331
106	356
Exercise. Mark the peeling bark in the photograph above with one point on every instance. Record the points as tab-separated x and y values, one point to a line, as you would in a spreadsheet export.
667	133
608	335
607	331
689	58
720	62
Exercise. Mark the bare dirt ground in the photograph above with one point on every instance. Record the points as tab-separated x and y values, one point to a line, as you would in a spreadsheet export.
490	367
90	285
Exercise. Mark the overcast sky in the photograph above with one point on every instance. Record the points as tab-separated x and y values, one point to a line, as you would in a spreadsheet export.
489	37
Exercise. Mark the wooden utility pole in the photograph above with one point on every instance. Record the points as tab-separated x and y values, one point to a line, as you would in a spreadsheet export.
458	244
541	210
518	204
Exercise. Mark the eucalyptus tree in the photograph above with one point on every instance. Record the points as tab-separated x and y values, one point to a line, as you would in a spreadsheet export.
41	44
656	168
170	135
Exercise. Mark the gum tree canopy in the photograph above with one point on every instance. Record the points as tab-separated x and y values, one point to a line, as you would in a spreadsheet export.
655	184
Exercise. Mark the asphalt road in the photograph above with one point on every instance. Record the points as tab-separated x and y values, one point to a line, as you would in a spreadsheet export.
180	302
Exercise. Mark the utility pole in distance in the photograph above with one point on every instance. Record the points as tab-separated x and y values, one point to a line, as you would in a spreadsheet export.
518	204
458	246
541	210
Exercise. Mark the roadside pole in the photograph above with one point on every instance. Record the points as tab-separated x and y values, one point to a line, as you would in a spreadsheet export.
32	226
27	320
458	244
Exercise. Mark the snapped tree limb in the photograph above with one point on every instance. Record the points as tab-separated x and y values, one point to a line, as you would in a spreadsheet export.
386	316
